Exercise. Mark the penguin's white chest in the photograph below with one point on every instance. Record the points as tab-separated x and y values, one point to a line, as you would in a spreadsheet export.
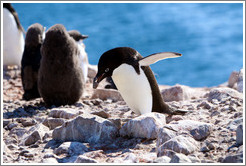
13	40
134	88
83	59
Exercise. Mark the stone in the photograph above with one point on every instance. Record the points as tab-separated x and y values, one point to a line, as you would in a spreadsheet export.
71	148
235	158
92	70
49	160
6	122
233	79
86	128
180	158
53	122
12	125
162	159
19	132
176	93
180	144
84	159
130	158
223	93
106	94
239	135
164	135
102	114
32	138
29	122
144	126
181	93
199	130
65	113
36	133
240	82
232	125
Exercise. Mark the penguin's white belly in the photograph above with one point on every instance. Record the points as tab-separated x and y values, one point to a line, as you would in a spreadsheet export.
135	89
83	60
13	40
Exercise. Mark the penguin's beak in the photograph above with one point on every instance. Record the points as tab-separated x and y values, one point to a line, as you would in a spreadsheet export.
97	80
84	37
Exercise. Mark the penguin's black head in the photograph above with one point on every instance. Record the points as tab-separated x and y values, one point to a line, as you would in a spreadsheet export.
35	35
77	36
112	59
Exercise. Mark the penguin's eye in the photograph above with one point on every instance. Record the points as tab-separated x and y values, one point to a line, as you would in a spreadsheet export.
106	70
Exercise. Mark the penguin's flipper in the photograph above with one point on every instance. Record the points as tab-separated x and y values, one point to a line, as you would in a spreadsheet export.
153	58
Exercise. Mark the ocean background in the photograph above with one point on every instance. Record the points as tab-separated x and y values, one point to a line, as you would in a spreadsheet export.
209	35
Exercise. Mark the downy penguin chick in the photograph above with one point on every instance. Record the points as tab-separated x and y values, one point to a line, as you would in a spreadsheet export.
13	39
78	37
134	79
30	62
60	80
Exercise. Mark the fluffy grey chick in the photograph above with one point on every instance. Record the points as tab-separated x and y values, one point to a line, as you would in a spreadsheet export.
60	80
30	61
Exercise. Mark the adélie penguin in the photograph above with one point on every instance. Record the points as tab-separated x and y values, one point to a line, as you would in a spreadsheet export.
60	79
78	37
30	61
134	79
13	39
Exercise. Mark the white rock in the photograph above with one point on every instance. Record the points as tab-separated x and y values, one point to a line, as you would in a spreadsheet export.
181	93
164	135
49	160
233	79
162	159
130	158
86	128
105	94
36	133
71	148
144	126
179	144
53	122
65	113
223	93
232	125
180	158
199	130
240	81
84	159
92	70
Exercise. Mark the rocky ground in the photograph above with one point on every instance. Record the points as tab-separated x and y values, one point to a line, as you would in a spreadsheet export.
100	128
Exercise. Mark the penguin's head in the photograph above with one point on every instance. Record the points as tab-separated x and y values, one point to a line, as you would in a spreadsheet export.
77	36
57	36
112	59
35	35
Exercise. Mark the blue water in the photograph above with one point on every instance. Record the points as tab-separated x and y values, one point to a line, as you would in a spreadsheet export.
209	35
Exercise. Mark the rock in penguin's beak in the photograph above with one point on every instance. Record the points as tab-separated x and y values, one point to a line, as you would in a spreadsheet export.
97	80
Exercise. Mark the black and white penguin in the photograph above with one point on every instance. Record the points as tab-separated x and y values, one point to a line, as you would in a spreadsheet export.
134	79
30	61
78	37
60	79
13	39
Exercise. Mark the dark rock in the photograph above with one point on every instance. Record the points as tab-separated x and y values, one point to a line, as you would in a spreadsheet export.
86	128
239	132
